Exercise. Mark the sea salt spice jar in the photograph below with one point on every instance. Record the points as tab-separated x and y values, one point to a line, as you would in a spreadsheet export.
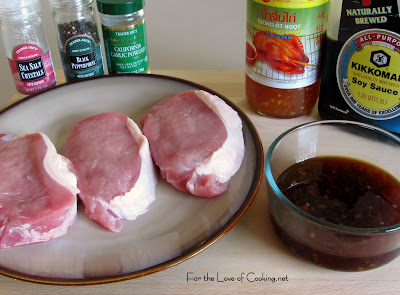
78	38
26	46
124	35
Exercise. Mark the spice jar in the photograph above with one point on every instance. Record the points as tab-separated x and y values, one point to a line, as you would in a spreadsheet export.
78	38
124	35
26	46
283	54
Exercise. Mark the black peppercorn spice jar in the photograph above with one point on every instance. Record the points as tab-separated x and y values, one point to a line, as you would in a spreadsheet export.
79	40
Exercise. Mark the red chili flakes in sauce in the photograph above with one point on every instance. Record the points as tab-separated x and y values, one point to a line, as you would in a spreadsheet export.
343	191
283	103
346	192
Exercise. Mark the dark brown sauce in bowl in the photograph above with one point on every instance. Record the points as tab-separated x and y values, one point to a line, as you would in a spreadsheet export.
334	193
343	191
352	194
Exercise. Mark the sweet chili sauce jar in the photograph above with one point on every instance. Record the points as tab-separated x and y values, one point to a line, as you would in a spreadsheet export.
283	54
26	46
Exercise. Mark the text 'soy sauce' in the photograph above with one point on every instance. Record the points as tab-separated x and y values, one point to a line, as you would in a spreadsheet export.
360	79
283	53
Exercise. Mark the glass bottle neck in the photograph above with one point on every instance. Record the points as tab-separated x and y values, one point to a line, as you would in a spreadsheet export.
70	4
13	12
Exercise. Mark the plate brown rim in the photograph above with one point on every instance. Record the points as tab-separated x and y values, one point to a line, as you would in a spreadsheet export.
204	244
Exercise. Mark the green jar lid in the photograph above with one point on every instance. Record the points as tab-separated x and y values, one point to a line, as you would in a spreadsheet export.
118	7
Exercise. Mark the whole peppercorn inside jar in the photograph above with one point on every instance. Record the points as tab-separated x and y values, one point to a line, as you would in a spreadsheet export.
78	36
124	34
26	46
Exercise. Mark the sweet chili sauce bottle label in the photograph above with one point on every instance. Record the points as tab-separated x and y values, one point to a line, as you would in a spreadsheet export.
32	70
126	49
284	37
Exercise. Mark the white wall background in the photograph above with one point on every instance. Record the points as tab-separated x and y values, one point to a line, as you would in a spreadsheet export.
181	34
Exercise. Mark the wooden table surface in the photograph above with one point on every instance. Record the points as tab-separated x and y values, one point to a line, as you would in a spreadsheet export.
251	249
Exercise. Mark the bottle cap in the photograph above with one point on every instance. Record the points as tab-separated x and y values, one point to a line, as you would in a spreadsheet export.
118	7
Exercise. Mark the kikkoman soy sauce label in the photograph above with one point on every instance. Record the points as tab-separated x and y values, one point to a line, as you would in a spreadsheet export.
369	73
360	79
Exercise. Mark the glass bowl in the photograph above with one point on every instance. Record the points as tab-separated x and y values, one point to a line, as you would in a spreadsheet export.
327	243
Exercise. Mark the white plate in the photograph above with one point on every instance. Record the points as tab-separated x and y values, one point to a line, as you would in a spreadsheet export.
176	226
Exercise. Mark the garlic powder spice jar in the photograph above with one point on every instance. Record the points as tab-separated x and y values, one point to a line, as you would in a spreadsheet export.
124	33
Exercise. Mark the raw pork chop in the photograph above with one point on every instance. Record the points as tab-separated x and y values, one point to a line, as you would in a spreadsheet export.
37	191
116	175
196	139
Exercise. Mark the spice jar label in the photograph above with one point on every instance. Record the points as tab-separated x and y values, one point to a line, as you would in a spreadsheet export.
82	58
126	49
283	46
32	69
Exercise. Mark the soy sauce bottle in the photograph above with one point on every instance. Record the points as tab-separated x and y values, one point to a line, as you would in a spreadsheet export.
361	67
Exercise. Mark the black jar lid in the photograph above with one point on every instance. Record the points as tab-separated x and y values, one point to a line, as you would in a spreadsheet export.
119	7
